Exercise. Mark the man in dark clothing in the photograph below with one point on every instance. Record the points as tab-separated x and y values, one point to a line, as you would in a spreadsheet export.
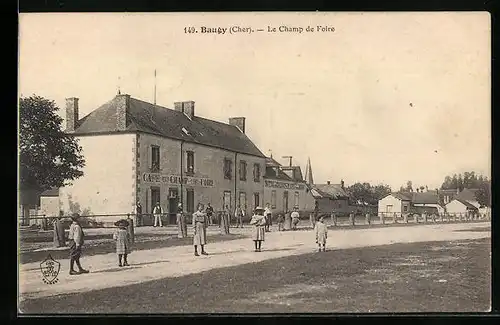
138	214
210	214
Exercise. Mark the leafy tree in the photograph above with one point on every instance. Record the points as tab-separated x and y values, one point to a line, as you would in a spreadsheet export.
48	156
470	180
364	192
409	186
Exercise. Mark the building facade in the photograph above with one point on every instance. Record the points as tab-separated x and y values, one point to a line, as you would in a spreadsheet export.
285	188
331	198
140	152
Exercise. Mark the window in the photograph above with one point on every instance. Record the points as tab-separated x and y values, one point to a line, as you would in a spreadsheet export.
285	201
296	200
256	173
190	200
388	208
273	199
405	208
227	199
155	159
190	162
155	197
228	168
243	200
243	170
256	200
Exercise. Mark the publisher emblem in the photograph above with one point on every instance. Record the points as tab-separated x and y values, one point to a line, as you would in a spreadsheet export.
50	270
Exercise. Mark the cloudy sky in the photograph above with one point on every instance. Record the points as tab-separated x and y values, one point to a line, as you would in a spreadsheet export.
387	97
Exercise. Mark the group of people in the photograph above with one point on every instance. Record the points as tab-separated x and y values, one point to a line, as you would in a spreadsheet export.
260	220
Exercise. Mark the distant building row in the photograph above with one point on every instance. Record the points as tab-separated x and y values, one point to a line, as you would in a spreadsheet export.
440	201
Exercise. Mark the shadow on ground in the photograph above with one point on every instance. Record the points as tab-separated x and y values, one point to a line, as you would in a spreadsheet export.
420	277
107	247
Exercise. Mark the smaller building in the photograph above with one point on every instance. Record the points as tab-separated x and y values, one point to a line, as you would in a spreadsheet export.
331	197
395	203
49	203
285	188
457	206
428	202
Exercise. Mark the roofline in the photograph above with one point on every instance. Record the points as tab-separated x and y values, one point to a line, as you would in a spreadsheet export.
284	180
85	134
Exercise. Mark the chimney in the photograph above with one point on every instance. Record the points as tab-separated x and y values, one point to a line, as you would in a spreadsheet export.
188	108
238	122
178	106
342	183
123	103
328	182
71	114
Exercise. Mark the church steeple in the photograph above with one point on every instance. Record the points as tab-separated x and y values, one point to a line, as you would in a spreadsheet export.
309	175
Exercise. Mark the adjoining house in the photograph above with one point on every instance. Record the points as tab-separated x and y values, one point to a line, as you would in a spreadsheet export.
395	203
457	206
137	151
49	203
331	197
428	202
285	188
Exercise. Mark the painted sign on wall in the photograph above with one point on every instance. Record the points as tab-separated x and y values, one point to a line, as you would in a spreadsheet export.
174	179
288	186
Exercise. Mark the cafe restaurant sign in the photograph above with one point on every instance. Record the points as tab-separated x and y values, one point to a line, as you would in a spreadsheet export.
176	180
287	186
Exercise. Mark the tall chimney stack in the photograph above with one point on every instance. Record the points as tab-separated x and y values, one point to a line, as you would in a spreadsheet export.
123	103
342	183
239	122
188	108
178	107
71	114
328	182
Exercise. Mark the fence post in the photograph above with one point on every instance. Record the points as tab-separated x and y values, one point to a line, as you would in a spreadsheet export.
381	216
131	228
334	219
368	219
424	217
352	219
395	218
405	218
415	216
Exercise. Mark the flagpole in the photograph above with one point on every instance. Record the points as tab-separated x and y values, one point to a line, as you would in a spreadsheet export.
155	90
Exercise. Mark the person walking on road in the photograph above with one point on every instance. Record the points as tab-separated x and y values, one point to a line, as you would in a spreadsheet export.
123	242
158	213
200	230
210	214
281	222
224	224
238	214
269	217
138	214
295	218
59	236
76	237
259	221
181	222
321	231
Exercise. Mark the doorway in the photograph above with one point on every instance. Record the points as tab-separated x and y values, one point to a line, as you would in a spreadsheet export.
173	201
285	201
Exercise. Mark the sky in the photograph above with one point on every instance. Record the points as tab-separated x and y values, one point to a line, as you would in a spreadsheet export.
385	98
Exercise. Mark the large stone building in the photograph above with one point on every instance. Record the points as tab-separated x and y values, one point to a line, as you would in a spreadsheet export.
285	188
140	152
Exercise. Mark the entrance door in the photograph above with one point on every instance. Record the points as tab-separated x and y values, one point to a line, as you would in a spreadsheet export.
155	197
285	201
173	201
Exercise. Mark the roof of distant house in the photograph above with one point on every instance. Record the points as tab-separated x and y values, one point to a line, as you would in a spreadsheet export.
334	191
429	197
467	204
145	117
467	194
271	174
401	196
51	192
